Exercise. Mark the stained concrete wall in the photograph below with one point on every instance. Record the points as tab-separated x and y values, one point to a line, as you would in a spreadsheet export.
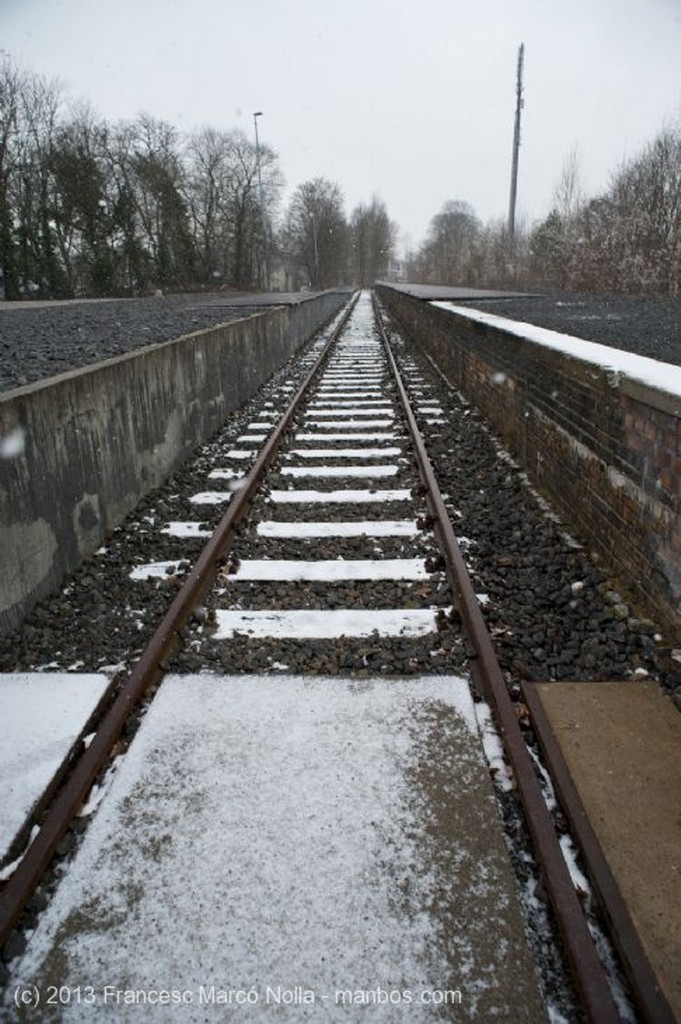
605	449
78	451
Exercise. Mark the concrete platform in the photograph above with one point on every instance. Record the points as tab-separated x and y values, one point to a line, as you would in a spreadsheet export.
449	293
198	301
331	848
43	714
622	746
261	299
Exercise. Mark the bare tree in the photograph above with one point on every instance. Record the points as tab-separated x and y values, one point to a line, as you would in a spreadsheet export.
208	154
243	207
626	240
92	208
42	101
451	253
493	265
224	204
318	232
81	200
158	185
12	81
133	261
372	242
568	197
646	192
29	107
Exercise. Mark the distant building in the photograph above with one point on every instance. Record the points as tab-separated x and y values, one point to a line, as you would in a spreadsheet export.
397	270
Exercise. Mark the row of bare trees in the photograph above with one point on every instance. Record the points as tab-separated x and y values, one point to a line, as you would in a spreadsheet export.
324	248
87	207
460	250
626	241
93	208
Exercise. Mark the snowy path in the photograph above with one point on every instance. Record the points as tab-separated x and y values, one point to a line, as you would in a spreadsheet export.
329	846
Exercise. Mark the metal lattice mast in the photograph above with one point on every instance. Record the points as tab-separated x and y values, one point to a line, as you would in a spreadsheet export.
265	268
516	148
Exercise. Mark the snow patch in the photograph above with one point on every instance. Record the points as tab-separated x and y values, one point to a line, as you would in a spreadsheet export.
331	569
350	496
657	374
325	624
211	498
350	528
153	570
340	471
186	529
43	714
493	747
346	453
348	436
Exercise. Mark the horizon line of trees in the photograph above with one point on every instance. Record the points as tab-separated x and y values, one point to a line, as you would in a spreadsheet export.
626	240
91	208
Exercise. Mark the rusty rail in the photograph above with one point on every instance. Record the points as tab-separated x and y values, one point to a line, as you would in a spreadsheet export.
588	970
148	671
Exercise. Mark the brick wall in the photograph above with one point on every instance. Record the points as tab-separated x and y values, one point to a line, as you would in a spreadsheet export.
605	449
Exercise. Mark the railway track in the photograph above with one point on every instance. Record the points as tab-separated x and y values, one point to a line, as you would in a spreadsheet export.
336	555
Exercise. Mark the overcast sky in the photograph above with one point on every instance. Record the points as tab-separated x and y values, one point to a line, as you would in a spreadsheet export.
411	100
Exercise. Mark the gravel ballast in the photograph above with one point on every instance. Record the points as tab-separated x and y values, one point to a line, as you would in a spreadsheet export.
39	341
550	607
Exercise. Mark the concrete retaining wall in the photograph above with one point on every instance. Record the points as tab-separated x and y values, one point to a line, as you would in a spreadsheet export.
78	451
604	448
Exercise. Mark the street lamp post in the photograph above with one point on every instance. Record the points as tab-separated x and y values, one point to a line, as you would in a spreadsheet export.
266	275
316	250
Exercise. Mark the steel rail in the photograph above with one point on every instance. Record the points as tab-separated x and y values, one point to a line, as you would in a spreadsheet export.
148	670
650	999
589	973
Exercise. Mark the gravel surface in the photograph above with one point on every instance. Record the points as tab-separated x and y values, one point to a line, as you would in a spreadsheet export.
362	657
551	609
40	341
649	327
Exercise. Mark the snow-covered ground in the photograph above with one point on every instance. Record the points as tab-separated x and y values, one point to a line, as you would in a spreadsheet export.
43	714
331	847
